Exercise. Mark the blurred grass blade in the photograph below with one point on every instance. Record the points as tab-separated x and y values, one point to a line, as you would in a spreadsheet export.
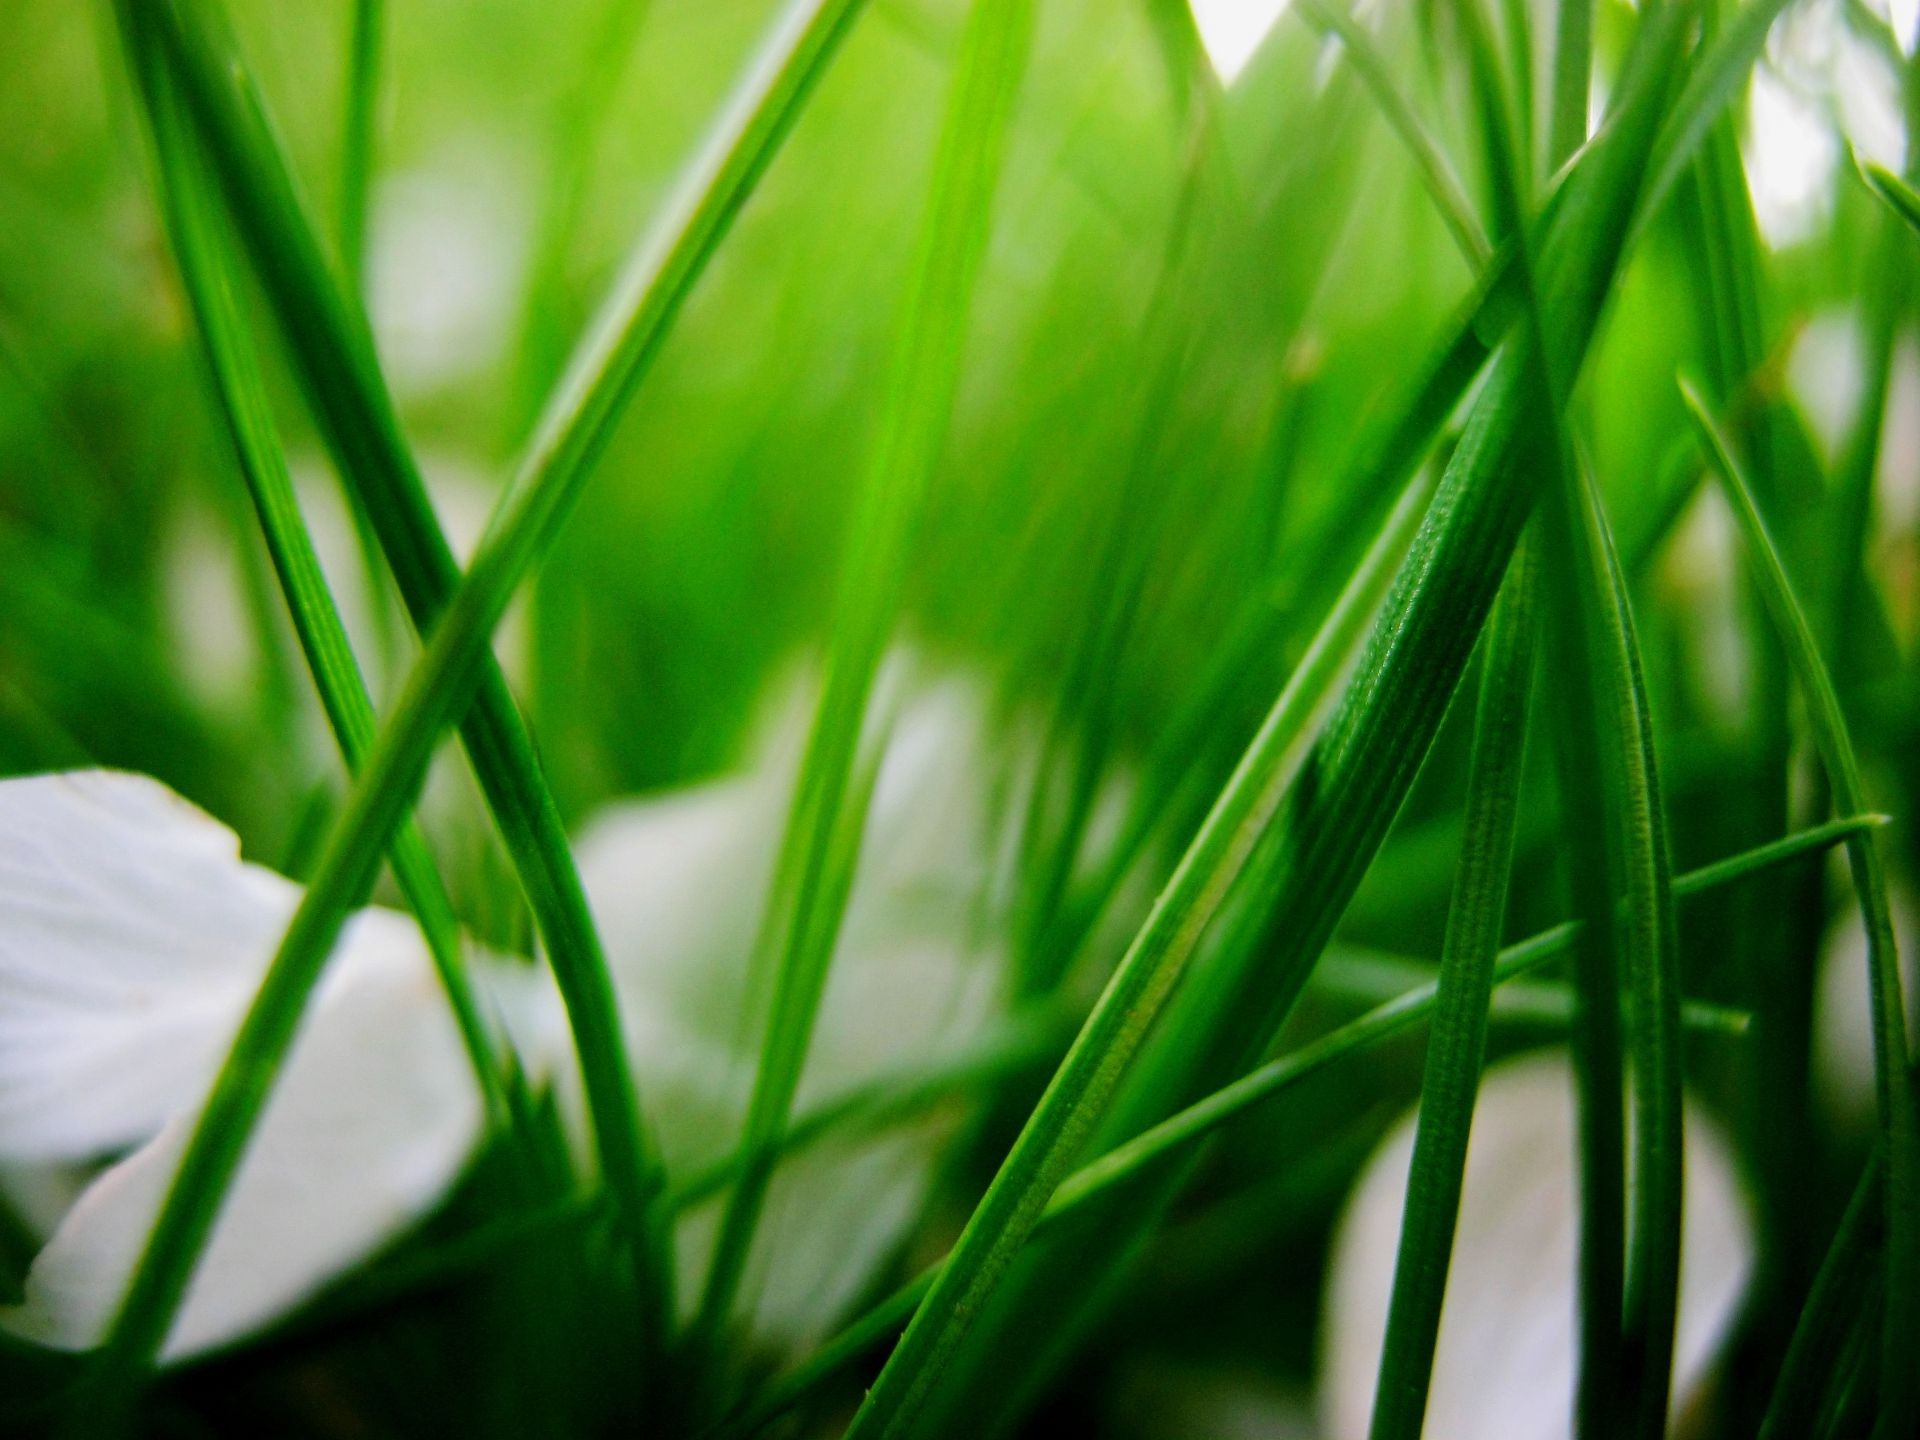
803	910
1456	1047
1900	1333
1899	195
1572	76
364	46
204	264
1442	183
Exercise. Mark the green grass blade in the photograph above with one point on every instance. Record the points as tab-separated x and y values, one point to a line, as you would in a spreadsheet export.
1840	1292
1572	76
1178	1134
1442	183
1457	1045
1139	986
803	911
1900	1334
333	359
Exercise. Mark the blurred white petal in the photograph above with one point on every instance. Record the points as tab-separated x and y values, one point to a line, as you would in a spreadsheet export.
1506	1358
372	1117
132	937
677	884
1232	30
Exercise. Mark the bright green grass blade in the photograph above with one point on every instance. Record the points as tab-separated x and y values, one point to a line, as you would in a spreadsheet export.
364	45
1456	1047
438	690
1899	195
1179	1133
1429	157
1900	1334
205	267
804	912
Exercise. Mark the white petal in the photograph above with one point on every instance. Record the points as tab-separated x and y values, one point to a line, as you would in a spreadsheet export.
372	1118
1506	1356
131	937
677	884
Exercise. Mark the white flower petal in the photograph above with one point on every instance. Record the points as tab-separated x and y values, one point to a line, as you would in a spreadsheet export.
372	1118
677	884
1506	1356
131	937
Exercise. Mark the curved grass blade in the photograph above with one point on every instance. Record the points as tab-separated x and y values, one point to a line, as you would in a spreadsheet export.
1457	1046
204	269
804	908
1900	1333
1179	1133
443	683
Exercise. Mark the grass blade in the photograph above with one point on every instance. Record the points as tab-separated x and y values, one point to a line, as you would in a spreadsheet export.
804	913
1900	1334
364	44
1901	197
1457	1045
456	662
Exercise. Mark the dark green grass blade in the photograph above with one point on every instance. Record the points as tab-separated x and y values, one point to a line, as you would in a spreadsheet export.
1840	1293
443	683
1179	1133
205	267
1228	1010
1572	76
333	359
1457	1044
804	910
1900	1334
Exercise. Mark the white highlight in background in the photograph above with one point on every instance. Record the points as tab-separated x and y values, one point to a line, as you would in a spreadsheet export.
1233	29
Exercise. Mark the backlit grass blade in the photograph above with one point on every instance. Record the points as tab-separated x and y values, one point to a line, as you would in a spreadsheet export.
443	682
1900	1332
1443	184
364	46
204	268
1177	1134
1900	196
804	913
1457	1045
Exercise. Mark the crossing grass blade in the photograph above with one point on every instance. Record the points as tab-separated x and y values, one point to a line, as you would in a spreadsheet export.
1178	1134
1900	1126
1901	197
457	661
204	267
